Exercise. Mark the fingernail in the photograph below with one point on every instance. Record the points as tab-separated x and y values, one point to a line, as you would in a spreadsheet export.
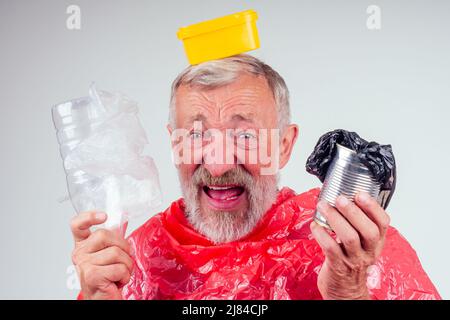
100	215
363	197
342	201
319	205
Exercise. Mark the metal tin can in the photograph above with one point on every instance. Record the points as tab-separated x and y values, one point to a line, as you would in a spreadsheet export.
346	176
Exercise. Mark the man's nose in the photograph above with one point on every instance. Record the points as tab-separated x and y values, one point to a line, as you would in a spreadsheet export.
218	155
216	170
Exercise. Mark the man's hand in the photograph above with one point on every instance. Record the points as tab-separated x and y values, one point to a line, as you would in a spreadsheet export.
101	258
360	229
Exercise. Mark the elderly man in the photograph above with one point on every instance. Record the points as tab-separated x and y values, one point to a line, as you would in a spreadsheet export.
235	234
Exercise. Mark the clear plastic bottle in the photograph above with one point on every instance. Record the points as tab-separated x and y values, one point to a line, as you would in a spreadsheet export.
102	146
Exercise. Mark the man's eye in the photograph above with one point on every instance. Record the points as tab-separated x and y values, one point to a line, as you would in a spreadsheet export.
246	136
196	135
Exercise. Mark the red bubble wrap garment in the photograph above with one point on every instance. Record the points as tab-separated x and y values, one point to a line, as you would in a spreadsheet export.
279	260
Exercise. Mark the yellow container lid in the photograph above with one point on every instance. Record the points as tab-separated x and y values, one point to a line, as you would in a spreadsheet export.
216	24
220	37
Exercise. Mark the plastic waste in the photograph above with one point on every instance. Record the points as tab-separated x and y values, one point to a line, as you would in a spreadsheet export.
102	144
279	260
220	37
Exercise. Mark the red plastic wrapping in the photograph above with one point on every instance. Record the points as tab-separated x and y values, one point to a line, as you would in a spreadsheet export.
279	260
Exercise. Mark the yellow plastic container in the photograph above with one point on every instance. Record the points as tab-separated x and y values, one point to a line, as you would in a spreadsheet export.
221	37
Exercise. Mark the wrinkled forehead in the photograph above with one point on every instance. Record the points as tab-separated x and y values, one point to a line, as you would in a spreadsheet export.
248	99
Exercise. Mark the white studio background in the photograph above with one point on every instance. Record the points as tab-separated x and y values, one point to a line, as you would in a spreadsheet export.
391	85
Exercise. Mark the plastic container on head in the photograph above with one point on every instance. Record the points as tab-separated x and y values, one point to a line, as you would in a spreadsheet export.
221	37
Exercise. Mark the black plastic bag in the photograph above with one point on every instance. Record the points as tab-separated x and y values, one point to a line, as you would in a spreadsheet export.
378	158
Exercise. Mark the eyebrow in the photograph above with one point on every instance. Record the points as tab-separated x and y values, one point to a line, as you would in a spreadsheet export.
247	117
197	117
243	117
236	117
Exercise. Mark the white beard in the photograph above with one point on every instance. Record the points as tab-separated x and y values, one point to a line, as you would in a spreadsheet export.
223	226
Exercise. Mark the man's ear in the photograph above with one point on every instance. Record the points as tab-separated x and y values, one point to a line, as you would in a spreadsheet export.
170	130
287	143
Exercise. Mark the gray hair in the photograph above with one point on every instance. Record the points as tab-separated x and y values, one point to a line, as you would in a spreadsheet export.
217	73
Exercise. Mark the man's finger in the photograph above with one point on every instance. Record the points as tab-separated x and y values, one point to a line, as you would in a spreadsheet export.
81	223
111	255
374	211
117	273
99	277
102	239
329	246
344	231
367	229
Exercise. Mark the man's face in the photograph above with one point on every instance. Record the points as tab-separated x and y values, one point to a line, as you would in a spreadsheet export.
224	189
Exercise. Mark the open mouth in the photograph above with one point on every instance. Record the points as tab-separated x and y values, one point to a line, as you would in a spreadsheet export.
224	197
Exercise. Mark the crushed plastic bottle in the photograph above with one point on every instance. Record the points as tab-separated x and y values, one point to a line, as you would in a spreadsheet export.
102	146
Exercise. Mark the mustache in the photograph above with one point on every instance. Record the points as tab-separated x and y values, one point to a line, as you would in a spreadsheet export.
235	176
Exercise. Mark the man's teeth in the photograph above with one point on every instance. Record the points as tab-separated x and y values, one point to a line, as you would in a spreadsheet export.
219	188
